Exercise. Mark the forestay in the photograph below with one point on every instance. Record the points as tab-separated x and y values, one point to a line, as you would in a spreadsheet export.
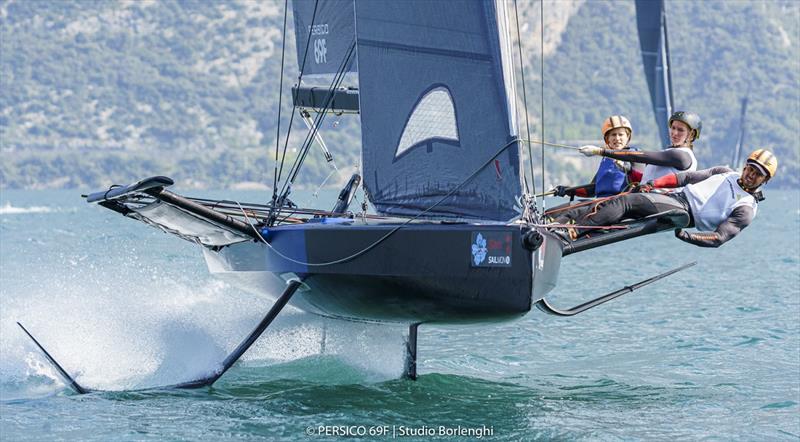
436	97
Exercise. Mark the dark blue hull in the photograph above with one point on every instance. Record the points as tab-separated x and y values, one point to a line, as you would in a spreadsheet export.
423	272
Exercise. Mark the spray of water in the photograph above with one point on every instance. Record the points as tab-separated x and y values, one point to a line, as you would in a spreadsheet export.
127	317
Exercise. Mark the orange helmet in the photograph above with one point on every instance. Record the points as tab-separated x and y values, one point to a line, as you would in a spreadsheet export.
617	121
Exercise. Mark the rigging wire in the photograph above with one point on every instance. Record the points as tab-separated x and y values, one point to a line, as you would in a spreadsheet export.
280	97
525	101
299	82
541	44
306	146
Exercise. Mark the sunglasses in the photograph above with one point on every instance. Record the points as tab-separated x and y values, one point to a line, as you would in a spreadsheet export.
757	169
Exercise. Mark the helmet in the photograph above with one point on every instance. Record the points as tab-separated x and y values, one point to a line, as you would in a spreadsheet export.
616	121
764	160
691	119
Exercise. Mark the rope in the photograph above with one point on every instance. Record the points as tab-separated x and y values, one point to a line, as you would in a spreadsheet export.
574	226
585	203
547	143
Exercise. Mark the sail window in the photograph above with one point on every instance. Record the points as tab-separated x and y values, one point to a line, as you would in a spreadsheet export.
434	117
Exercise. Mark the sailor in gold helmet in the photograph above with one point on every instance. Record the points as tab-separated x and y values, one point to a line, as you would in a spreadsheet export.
719	201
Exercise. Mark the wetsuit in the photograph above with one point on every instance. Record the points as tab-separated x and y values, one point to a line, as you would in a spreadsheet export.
713	198
663	162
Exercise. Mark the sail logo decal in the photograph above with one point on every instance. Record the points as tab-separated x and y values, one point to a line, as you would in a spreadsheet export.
433	118
479	250
491	249
320	44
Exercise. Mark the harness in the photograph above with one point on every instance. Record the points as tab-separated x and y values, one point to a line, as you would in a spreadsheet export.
610	180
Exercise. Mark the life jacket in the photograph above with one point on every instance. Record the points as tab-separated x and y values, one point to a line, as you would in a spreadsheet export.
713	199
610	180
652	171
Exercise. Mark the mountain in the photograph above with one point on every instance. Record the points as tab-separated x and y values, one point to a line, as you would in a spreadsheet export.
100	92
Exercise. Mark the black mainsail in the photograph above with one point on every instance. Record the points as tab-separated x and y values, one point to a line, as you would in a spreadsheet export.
436	89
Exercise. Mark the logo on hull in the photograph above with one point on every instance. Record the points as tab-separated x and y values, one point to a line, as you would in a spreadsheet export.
491	249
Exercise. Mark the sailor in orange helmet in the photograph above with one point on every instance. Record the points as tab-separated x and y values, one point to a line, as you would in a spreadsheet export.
613	175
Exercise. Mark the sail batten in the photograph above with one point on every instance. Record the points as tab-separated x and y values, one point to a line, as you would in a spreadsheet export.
436	95
424	50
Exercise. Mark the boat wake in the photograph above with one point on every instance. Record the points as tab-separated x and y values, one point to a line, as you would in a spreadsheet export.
8	209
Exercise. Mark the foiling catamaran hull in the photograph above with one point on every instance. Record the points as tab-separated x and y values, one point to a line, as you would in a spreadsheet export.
420	272
359	268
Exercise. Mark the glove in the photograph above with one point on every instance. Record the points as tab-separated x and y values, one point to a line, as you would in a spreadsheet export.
590	150
681	235
622	165
563	191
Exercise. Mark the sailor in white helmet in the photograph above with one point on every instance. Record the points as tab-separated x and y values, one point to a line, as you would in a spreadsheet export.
684	129
719	201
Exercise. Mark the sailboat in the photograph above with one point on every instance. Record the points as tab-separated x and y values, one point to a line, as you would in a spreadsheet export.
455	237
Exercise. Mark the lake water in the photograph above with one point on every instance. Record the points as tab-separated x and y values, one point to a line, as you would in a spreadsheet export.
710	353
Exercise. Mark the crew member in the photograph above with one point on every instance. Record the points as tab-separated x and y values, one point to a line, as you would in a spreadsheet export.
613	175
719	201
684	129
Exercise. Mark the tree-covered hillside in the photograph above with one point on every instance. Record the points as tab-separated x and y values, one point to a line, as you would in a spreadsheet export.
101	91
721	51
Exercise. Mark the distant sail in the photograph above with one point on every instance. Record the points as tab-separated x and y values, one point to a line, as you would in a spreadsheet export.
332	33
737	150
436	90
653	39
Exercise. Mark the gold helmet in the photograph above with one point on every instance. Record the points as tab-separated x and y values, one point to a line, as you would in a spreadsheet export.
765	161
616	121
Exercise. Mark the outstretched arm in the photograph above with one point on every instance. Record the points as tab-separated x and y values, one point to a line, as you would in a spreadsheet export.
669	158
683	178
736	222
